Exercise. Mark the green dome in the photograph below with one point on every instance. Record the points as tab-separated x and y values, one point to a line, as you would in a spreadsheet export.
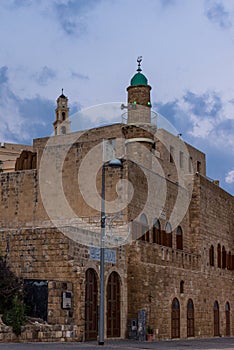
139	79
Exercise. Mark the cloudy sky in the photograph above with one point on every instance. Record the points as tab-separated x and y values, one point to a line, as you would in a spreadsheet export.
90	47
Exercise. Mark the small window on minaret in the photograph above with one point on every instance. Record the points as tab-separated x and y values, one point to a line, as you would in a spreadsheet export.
63	116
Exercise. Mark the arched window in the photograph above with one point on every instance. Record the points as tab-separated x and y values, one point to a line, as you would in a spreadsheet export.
219	255
179	238
224	258
168	238
227	314
211	255
63	116
216	318
144	228
157	232
190	318
175	318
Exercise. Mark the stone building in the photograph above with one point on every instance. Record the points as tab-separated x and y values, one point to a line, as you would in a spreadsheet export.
9	152
169	230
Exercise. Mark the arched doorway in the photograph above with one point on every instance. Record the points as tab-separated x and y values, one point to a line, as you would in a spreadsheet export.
91	306
216	318
228	324
175	319
113	305
190	318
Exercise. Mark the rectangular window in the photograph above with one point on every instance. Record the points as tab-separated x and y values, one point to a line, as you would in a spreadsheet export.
198	166
171	154
181	160
36	298
190	164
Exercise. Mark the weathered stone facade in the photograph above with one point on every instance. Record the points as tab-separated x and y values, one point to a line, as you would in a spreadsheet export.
174	252
9	152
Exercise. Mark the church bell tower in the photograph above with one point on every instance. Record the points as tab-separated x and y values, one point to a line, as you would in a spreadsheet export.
62	122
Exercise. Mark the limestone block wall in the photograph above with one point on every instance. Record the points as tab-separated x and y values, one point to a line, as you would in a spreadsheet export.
82	141
20	202
217	219
47	254
150	273
40	333
26	201
154	277
160	198
194	213
178	167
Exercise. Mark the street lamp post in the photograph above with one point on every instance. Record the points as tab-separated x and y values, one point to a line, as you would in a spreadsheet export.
114	163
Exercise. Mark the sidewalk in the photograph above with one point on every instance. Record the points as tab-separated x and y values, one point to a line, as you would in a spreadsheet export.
194	344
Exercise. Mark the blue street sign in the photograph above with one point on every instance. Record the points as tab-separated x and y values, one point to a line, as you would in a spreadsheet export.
110	255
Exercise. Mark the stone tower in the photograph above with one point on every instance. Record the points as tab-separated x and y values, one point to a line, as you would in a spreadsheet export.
139	98
62	122
139	130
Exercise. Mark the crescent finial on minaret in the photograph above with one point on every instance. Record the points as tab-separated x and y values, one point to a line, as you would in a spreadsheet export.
139	60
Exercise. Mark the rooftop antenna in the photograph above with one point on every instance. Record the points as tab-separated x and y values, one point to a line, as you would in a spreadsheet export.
139	60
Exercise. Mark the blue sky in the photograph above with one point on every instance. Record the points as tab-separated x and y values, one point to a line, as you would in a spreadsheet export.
89	48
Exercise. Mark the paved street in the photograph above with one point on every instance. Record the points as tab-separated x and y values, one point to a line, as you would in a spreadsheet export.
195	344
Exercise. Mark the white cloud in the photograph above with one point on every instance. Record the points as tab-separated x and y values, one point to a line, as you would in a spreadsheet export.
173	58
230	177
90	48
14	123
201	127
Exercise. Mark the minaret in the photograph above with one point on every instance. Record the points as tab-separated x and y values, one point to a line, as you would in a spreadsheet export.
139	97
62	122
139	130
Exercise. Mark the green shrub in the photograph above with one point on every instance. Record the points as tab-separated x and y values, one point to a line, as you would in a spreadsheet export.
11	298
15	317
10	285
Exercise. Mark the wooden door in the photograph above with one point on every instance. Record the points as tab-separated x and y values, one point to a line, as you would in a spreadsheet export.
228	324
113	306
216	319
91	310
190	319
175	319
